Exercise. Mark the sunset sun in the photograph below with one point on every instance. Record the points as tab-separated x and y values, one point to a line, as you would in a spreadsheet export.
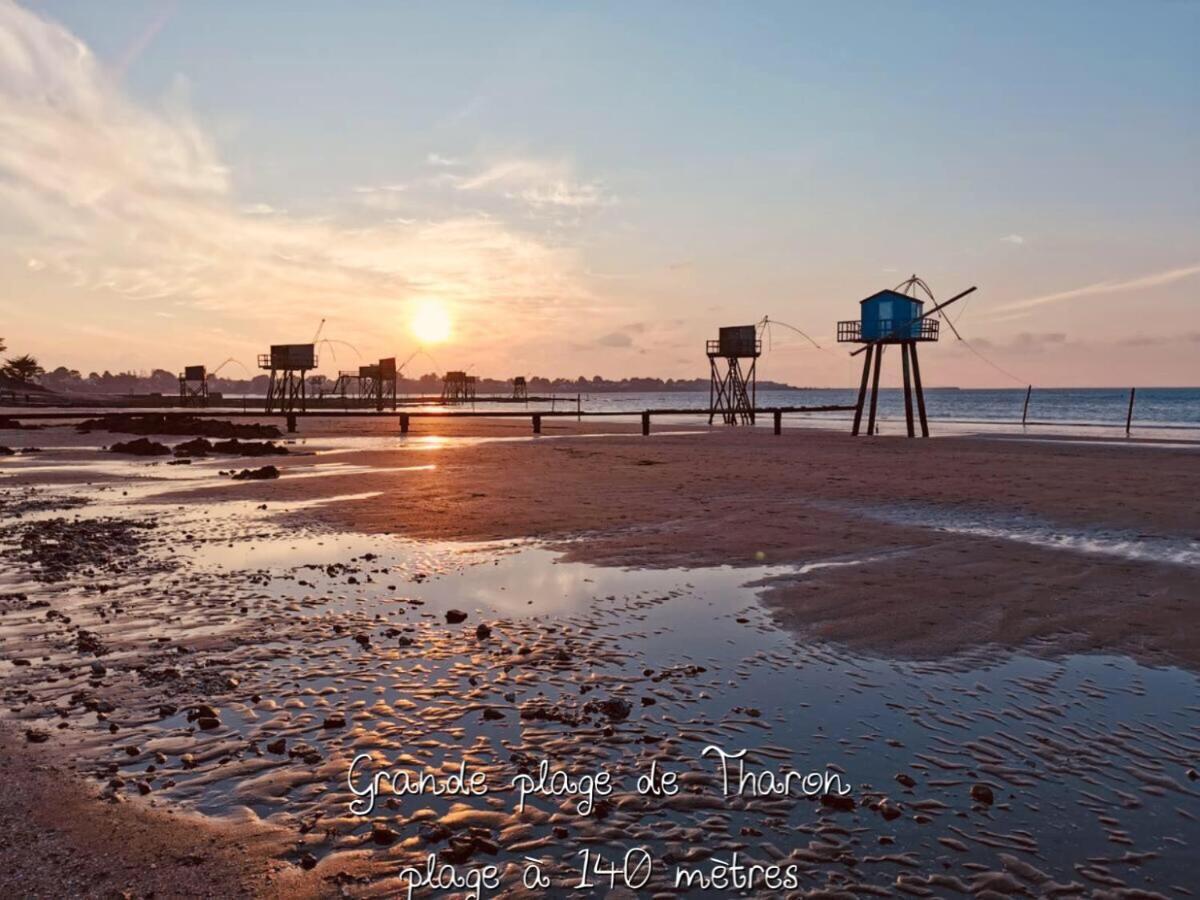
430	322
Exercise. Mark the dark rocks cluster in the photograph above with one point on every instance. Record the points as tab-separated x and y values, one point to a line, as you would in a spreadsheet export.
58	549
157	423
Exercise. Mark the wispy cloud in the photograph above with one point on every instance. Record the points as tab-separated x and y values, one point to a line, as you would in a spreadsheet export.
1015	239
1156	279
539	183
113	195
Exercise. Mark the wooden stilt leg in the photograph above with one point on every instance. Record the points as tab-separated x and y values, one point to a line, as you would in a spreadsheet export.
862	389
908	410
875	389
920	390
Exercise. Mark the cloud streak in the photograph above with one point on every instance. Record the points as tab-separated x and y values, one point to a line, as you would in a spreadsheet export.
1156	279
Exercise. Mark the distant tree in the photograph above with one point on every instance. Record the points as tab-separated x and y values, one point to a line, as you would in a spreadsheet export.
3	346
23	368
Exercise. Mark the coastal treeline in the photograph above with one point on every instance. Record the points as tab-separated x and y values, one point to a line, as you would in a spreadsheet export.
161	381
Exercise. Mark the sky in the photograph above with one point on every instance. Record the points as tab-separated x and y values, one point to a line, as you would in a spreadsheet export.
595	188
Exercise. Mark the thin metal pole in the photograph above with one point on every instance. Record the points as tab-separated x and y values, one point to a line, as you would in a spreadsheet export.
1129	415
1025	411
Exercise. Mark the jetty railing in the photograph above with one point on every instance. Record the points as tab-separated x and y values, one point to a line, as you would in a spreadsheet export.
406	418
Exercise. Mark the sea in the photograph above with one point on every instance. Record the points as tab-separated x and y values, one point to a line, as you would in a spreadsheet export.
1081	410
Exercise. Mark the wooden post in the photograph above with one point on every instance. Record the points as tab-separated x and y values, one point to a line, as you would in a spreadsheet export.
862	390
537	424
1025	410
778	422
291	423
875	389
920	391
578	408
1129	415
404	423
646	422
908	410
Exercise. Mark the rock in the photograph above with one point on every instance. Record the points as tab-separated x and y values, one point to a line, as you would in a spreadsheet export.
308	861
277	746
383	835
140	447
36	735
905	779
404	641
194	447
464	846
981	793
144	787
188	761
615	708
455	616
249	448
889	810
157	423
483	631
208	723
838	802
334	720
492	715
263	474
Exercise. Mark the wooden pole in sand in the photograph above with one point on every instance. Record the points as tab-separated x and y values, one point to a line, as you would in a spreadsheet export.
646	423
1129	415
908	410
1025	410
920	391
778	422
537	424
862	391
874	389
404	423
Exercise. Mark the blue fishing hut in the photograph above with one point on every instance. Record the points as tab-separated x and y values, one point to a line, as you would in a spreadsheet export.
890	315
893	317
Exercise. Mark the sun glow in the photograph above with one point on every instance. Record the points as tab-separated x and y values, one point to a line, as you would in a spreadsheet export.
431	322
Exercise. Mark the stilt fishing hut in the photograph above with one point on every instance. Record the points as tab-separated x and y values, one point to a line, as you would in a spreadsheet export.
388	376
732	390
289	365
193	386
458	387
894	317
520	388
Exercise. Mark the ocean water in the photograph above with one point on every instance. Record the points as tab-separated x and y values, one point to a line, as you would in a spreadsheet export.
1153	407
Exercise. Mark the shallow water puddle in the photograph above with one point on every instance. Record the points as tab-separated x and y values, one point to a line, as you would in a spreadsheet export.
310	648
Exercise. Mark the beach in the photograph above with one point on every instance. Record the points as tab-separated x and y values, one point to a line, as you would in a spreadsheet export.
992	639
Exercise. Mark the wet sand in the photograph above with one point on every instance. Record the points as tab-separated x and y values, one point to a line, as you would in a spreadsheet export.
742	498
181	642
